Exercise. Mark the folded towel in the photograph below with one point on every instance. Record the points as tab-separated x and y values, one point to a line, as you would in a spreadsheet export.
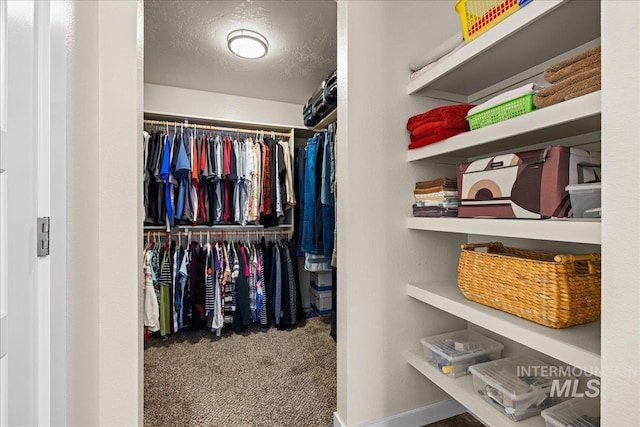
427	129
435	135
440	195
577	63
505	96
446	203
453	116
427	67
579	84
444	48
444	181
432	191
433	211
589	63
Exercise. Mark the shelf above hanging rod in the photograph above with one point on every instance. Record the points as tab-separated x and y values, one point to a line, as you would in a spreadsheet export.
209	127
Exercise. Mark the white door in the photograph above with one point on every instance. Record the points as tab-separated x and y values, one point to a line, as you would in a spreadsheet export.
3	216
30	117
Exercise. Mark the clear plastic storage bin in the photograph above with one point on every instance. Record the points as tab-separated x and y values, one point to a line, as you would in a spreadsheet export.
519	387
576	412
454	352
585	200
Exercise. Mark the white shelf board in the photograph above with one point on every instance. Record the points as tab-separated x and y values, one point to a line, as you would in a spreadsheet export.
578	345
558	230
329	118
532	35
462	390
563	120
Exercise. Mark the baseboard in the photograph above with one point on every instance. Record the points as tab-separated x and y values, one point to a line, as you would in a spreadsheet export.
414	418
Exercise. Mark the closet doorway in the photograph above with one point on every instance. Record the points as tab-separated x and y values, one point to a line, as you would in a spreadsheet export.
204	363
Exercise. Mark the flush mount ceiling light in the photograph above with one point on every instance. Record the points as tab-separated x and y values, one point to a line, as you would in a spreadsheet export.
247	44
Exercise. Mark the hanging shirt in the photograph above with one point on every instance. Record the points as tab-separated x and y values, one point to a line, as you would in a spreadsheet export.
151	307
183	279
209	304
276	273
165	304
217	322
183	168
256	178
164	175
265	208
290	199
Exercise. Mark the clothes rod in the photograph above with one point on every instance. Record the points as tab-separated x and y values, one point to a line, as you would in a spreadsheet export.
208	127
214	233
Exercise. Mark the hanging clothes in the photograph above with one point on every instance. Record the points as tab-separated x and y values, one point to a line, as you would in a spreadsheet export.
194	178
151	306
315	175
217	285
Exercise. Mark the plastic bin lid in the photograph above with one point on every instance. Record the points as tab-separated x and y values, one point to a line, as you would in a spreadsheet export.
583	188
470	344
503	375
579	411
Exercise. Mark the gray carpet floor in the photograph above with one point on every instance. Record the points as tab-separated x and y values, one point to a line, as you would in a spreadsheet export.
265	377
262	378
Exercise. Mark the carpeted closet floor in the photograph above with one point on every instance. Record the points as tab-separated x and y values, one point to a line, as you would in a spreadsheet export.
265	377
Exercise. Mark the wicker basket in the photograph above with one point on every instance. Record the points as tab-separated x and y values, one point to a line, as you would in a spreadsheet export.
549	289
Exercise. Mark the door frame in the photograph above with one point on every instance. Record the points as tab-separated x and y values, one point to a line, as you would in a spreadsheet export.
34	136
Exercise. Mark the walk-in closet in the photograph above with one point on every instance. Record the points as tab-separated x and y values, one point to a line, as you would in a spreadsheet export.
291	234
239	214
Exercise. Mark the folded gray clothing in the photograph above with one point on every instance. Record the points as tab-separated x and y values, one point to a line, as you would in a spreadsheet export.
433	211
447	46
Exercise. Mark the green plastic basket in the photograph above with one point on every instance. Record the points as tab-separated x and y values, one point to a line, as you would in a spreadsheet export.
503	111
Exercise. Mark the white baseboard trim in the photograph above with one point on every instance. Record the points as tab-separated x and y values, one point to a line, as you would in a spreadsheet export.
414	418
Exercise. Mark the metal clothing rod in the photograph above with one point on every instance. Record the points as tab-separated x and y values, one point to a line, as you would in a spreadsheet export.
230	234
208	127
213	233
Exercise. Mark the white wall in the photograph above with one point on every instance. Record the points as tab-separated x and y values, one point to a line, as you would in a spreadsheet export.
377	254
218	106
620	226
103	244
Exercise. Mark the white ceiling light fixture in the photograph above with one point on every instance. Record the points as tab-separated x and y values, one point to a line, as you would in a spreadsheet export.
247	44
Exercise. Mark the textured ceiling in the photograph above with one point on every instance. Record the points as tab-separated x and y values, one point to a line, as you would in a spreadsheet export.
186	46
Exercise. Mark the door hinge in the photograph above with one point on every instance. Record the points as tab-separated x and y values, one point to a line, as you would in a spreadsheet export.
43	236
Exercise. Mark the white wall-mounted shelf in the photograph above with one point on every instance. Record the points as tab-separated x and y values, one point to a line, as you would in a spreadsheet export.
578	345
567	119
462	390
531	36
558	230
328	119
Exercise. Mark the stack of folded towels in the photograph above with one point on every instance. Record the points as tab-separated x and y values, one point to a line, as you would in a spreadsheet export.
438	197
438	124
571	78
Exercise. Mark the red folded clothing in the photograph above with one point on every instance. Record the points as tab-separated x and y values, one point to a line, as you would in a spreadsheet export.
453	116
435	135
427	129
